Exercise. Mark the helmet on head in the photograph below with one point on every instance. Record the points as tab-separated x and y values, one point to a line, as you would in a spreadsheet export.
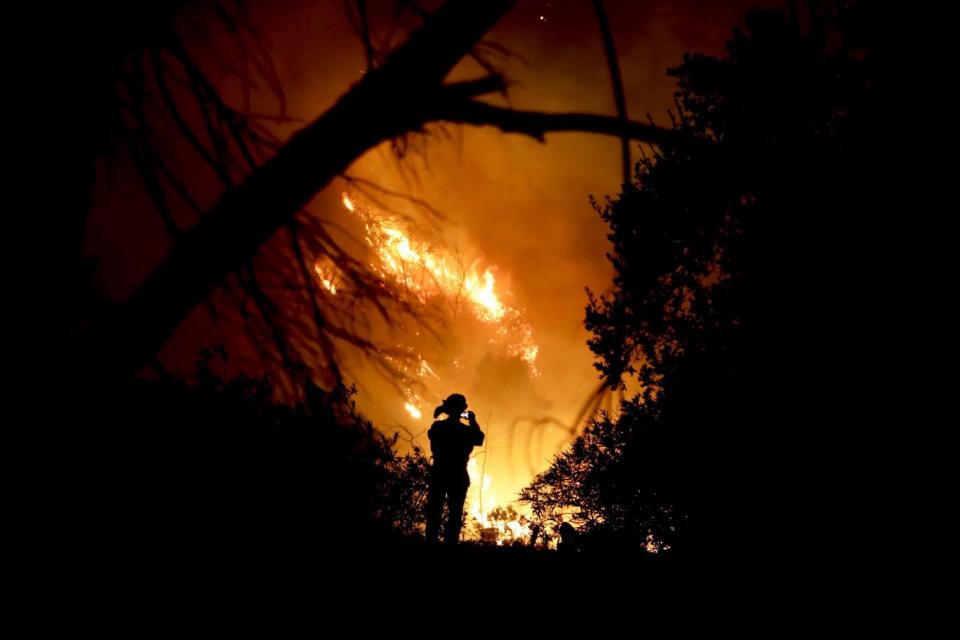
454	405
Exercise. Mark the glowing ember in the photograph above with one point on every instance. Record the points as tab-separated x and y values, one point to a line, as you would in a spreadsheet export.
425	370
651	545
413	411
327	277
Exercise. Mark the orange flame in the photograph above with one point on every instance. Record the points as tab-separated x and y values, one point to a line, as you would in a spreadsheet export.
484	296
483	502
418	268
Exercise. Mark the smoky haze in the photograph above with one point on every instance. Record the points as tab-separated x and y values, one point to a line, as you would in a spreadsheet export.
511	203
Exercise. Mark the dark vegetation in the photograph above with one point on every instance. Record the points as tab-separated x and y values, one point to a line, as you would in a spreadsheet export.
751	267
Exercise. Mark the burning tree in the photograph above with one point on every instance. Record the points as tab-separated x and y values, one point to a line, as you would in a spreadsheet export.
462	314
251	255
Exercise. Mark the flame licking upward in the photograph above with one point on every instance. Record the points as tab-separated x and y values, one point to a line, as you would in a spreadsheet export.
416	266
419	269
484	297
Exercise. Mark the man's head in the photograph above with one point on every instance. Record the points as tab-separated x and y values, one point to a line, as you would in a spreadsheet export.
454	405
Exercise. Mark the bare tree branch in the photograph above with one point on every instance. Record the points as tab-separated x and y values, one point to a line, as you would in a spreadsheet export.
616	81
467	89
537	123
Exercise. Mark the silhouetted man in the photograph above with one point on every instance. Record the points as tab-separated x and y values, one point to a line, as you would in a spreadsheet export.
569	539
450	443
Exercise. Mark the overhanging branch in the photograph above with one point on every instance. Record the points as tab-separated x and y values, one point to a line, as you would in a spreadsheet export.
399	97
537	124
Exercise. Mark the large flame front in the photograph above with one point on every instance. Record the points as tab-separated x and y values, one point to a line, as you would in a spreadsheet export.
410	264
418	268
426	273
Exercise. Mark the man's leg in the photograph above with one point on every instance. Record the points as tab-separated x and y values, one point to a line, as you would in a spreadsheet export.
434	508
457	496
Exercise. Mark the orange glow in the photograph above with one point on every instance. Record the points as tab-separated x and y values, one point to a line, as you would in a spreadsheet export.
403	260
483	502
